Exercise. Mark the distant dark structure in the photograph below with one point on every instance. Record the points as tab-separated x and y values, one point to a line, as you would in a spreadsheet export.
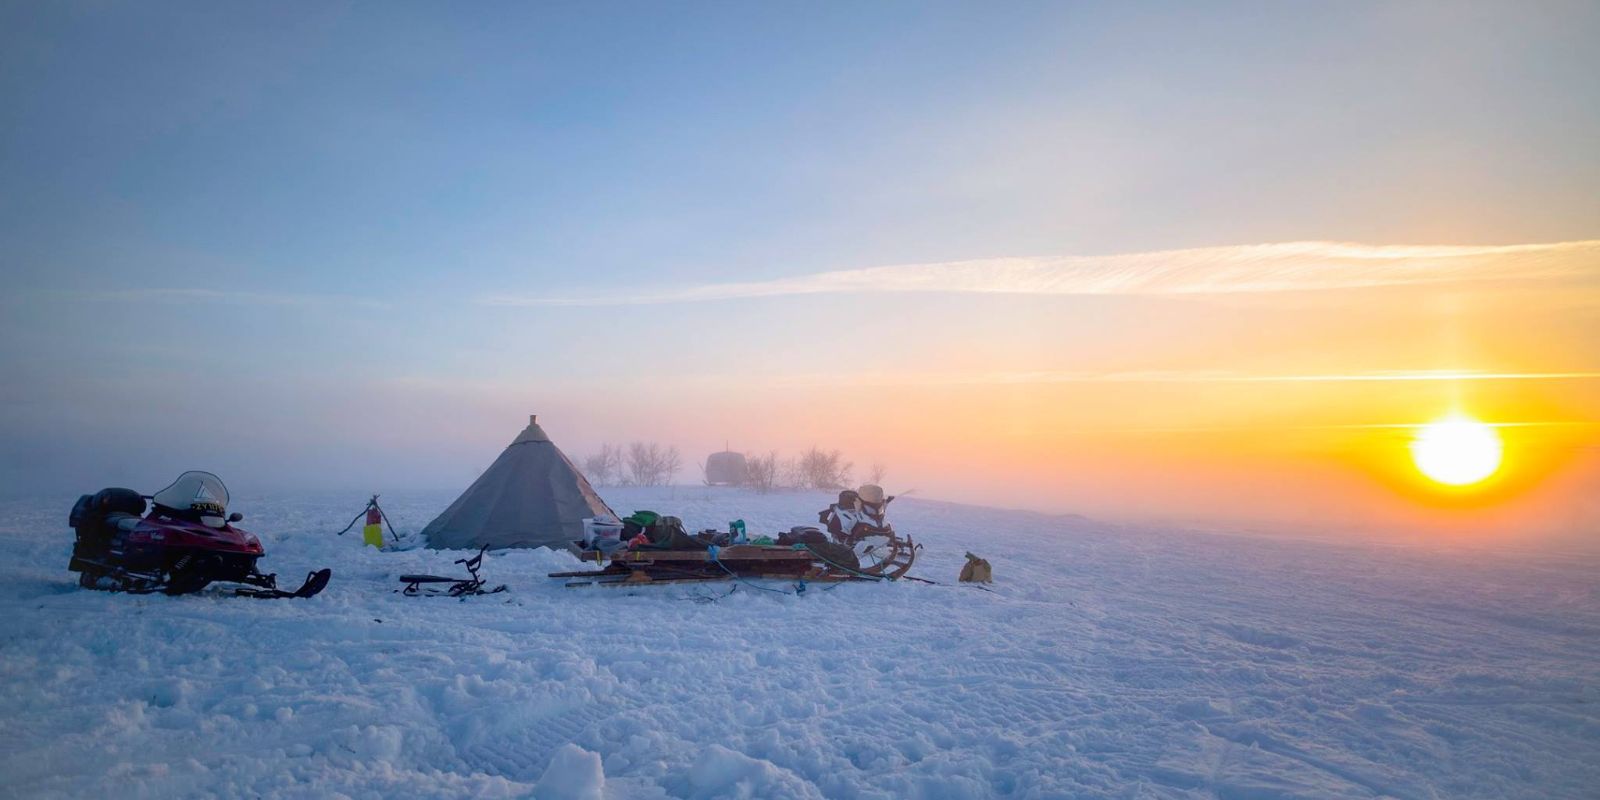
726	469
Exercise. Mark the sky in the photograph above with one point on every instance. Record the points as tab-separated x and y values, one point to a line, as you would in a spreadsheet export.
1140	261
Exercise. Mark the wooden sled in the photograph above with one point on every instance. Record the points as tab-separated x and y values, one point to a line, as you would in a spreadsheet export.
886	560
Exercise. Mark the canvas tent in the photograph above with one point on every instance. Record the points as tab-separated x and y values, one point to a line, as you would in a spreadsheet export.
531	496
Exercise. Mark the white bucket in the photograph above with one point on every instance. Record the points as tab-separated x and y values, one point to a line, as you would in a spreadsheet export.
603	533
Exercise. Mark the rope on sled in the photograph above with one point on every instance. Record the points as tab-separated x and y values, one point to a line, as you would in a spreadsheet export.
704	599
711	551
836	565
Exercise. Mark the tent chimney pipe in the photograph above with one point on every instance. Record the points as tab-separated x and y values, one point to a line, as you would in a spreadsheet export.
533	419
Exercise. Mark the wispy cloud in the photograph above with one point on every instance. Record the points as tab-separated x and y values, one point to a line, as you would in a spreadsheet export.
1293	266
191	295
1399	427
1164	376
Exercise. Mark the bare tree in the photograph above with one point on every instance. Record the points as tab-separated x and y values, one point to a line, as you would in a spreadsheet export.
761	472
877	473
605	467
670	463
594	468
651	464
613	459
641	464
790	473
823	469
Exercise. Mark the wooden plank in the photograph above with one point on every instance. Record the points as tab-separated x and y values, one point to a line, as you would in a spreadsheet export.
733	553
717	579
655	582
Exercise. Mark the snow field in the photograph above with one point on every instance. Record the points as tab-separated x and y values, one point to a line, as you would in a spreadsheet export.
1107	662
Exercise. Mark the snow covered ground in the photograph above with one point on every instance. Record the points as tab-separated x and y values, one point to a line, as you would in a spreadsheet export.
1107	662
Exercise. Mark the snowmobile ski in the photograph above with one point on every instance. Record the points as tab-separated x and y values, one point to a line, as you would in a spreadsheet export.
315	583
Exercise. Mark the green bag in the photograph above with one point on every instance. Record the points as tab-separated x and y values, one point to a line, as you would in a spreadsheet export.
638	522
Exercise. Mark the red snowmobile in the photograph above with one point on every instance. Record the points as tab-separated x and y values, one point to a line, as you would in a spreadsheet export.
185	543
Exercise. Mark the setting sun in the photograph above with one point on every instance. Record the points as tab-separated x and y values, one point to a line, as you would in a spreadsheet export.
1456	450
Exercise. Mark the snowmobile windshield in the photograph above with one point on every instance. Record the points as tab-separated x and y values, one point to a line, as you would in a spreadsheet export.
196	493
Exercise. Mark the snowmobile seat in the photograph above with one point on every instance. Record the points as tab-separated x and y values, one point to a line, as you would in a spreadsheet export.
124	501
80	510
102	504
96	517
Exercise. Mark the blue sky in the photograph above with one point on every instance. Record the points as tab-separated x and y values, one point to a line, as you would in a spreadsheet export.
411	150
280	230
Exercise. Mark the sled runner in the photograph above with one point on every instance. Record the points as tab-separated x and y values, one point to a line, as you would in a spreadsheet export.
459	587
186	542
642	566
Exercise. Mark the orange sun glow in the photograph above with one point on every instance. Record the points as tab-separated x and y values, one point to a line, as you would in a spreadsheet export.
1456	450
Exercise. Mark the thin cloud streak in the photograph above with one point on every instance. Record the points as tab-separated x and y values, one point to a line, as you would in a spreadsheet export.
1354	426
175	295
1427	375
1285	267
1164	376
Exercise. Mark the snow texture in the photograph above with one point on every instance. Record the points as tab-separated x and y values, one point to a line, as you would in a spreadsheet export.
574	774
1107	662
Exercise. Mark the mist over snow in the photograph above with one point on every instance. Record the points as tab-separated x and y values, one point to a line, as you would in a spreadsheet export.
1106	660
1189	318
